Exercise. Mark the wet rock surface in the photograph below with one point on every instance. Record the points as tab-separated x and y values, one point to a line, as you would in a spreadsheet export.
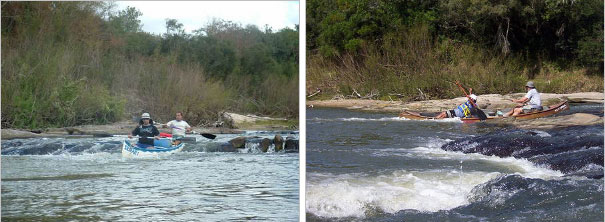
576	150
486	101
290	144
576	119
279	143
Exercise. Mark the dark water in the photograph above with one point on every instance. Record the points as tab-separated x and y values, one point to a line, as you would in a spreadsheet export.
88	180
375	167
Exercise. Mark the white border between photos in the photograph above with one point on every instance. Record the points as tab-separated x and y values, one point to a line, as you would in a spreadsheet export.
302	100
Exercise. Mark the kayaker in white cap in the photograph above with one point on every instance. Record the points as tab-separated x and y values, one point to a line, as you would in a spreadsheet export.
463	110
531	102
146	132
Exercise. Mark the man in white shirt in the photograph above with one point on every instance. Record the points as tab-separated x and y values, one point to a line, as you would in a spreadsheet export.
531	102
179	127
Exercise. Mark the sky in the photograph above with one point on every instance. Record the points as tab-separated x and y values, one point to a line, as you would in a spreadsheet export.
196	14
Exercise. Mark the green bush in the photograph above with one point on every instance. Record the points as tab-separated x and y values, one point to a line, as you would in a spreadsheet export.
71	63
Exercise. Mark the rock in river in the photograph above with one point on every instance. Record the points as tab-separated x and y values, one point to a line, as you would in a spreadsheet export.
291	145
576	150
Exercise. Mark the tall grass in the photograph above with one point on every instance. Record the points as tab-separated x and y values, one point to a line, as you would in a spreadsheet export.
56	74
409	65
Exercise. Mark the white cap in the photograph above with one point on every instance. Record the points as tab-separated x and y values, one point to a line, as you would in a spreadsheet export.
474	97
145	116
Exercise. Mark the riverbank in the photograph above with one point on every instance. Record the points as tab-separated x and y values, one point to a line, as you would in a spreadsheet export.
488	102
125	127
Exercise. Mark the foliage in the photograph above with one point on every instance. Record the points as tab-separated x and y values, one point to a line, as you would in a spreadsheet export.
70	63
411	50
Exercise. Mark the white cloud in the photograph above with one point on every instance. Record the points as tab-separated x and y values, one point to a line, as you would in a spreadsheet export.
196	14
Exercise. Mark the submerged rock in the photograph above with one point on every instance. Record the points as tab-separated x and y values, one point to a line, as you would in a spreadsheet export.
42	149
226	148
569	150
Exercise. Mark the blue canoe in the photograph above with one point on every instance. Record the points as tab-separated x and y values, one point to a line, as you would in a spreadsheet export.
161	148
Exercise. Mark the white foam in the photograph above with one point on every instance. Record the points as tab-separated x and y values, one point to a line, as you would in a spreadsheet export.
355	119
522	167
542	133
386	119
351	195
450	120
343	196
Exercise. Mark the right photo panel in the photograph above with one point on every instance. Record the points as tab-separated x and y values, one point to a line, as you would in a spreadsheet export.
454	110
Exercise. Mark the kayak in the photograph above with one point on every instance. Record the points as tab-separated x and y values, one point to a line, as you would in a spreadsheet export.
560	107
132	151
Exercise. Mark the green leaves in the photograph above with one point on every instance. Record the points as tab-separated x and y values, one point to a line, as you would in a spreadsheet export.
126	21
70	63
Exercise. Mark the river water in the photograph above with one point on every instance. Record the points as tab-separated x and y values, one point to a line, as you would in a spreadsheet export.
376	167
57	179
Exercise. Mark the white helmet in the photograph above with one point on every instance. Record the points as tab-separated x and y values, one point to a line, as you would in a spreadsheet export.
474	97
145	116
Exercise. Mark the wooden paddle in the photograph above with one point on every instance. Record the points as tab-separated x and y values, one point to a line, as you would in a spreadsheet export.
479	112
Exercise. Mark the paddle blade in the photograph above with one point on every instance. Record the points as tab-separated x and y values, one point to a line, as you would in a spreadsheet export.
480	114
208	135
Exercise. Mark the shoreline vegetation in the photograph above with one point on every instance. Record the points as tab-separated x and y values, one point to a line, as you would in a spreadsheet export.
79	63
412	51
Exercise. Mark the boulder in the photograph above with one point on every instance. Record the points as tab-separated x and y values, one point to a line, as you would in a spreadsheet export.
227	147
279	143
238	142
264	144
291	145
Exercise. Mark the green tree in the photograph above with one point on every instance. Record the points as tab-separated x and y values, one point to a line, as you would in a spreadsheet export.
126	21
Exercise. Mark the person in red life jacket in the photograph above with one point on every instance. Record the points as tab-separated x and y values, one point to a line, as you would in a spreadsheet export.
146	132
463	110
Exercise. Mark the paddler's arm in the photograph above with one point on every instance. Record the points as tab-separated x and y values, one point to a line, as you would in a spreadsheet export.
523	100
134	132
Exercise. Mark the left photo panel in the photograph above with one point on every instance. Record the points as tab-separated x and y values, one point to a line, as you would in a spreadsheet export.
150	111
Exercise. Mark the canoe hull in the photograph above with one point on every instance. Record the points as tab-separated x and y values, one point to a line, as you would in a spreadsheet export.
132	151
560	107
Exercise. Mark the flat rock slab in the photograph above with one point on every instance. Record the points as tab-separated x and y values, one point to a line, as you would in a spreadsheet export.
576	119
14	134
485	101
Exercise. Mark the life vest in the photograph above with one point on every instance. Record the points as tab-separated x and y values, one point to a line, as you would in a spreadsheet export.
465	108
